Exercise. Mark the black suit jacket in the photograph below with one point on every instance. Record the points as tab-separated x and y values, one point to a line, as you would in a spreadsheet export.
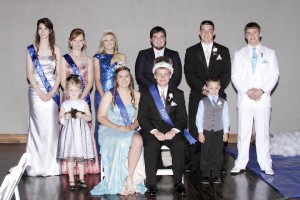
196	70
149	117
144	64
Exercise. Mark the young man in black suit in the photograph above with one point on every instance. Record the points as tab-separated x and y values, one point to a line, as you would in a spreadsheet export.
204	59
144	61
157	131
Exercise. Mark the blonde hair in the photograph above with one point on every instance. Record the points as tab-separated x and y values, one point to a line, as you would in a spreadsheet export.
101	46
74	80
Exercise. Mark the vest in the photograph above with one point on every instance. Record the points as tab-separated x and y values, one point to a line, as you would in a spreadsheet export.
213	115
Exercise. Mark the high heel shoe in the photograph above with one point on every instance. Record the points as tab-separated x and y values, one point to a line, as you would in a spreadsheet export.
129	186
82	183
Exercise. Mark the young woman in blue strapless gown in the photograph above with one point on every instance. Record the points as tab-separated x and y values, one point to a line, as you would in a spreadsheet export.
104	70
121	146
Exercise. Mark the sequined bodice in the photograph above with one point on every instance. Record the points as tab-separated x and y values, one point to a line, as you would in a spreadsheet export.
83	68
107	71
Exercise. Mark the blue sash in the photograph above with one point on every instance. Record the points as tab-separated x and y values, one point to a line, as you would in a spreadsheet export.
122	108
164	115
39	69
77	72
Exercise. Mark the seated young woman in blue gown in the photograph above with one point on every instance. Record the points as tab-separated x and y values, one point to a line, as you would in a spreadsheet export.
121	145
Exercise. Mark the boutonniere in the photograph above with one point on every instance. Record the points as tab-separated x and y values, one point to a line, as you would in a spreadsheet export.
215	50
219	104
170	96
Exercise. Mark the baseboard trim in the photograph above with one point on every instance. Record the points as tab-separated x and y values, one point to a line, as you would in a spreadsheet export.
13	138
22	138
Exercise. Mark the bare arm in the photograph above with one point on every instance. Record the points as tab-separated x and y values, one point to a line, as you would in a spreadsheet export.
90	82
97	72
63	75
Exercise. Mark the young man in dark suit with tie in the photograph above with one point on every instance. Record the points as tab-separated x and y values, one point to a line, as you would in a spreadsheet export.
204	59
155	129
144	61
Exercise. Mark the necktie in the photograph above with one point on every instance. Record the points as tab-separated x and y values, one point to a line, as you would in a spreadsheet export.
207	56
163	98
254	59
213	101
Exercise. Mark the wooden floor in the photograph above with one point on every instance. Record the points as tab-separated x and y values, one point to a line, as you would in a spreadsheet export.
246	186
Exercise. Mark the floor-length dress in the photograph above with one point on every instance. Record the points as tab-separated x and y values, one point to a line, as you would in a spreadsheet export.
114	156
43	130
90	167
107	71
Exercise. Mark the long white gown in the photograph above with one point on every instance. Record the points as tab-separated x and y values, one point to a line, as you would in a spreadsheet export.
43	130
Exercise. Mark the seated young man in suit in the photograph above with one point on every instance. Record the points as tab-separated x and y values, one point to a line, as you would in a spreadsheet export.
162	116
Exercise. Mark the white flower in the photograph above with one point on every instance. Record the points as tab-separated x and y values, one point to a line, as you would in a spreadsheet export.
170	96
119	64
215	49
219	104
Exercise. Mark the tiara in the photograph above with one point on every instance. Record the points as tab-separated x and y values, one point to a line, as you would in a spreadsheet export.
120	64
108	31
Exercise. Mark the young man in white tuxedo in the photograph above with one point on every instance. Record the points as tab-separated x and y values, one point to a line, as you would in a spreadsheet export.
254	74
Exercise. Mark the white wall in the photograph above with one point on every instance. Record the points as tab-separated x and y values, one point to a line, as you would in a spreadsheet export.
132	20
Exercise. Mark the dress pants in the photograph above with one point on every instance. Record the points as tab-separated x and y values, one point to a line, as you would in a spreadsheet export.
212	153
261	116
194	151
152	153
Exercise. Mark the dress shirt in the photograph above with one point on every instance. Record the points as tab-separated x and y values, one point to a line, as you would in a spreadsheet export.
200	117
250	48
209	47
158	53
166	92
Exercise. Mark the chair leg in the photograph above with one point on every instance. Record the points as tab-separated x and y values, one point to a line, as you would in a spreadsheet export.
17	194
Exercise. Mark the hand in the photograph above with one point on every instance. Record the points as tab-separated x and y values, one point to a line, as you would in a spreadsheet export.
68	116
160	136
225	137
79	115
123	128
170	134
254	94
204	90
43	96
201	137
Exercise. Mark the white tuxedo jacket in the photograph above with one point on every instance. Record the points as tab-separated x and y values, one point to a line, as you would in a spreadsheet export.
265	76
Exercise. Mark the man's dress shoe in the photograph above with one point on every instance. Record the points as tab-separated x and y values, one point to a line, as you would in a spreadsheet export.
151	192
179	190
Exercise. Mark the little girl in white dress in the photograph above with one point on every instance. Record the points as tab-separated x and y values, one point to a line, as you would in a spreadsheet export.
75	142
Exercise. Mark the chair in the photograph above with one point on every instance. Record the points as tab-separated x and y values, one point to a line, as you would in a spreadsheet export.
102	175
163	172
9	185
22	164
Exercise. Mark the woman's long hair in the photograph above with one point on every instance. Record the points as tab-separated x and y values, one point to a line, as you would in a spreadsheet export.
49	25
101	46
130	86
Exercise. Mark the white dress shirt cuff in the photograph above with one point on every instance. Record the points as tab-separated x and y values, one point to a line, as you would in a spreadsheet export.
153	130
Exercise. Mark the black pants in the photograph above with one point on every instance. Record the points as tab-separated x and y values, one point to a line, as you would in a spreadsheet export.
152	154
212	153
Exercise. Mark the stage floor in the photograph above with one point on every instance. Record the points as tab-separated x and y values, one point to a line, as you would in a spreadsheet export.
245	186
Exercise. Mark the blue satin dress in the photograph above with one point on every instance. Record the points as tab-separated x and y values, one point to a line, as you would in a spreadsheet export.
107	72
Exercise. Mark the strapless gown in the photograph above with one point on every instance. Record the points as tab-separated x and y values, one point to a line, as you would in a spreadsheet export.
114	155
43	130
90	167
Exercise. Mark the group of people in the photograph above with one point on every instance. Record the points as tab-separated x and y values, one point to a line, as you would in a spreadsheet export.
131	126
